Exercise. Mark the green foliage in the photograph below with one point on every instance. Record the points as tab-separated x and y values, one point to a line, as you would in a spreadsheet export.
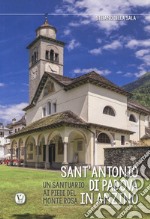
140	89
30	182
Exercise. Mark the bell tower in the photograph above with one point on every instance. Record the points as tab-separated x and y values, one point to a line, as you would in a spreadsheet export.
45	55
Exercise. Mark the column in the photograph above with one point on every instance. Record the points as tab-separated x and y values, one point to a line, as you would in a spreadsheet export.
65	162
11	155
47	164
25	157
37	157
18	155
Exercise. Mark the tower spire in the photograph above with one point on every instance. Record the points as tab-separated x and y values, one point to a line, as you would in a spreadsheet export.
46	18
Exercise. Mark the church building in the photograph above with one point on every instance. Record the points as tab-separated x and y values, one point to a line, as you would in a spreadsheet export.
69	121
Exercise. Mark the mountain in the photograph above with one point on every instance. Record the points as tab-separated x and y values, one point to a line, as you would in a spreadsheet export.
140	89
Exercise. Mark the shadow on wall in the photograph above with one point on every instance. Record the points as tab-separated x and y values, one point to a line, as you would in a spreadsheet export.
32	216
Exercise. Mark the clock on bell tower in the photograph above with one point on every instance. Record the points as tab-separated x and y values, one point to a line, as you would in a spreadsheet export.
45	55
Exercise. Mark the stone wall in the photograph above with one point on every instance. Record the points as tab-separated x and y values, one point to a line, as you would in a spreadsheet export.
128	156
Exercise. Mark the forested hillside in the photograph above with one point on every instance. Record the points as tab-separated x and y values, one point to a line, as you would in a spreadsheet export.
140	89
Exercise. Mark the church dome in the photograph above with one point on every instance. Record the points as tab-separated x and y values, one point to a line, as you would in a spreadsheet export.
46	30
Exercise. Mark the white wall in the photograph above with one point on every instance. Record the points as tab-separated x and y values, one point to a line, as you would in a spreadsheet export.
99	98
138	127
88	101
3	141
74	100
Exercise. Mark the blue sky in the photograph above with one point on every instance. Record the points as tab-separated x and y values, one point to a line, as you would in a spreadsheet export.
119	50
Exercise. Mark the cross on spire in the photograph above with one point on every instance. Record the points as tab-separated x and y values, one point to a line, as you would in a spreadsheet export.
46	18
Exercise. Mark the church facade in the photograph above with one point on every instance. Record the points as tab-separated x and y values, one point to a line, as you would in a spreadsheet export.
71	120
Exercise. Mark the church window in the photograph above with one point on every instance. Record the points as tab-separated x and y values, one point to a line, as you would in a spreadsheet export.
44	111
108	111
103	138
122	140
54	107
52	55
49	108
56	57
132	118
47	54
34	57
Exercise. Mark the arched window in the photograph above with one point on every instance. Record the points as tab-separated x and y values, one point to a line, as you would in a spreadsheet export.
52	55
34	57
132	118
103	138
47	54
56	57
109	111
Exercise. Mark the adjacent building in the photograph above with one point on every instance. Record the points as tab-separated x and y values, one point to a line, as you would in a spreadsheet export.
4	132
14	127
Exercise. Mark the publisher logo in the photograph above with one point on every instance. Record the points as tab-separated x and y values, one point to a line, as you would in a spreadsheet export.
20	198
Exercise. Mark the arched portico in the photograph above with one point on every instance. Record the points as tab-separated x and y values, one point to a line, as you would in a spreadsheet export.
20	154
77	149
55	150
40	151
30	151
14	150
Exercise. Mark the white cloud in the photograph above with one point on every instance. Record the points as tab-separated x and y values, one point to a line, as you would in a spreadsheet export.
146	59
8	112
141	72
2	84
95	51
97	7
73	44
144	55
147	18
87	70
79	23
74	24
85	21
139	3
142	52
147	28
114	45
133	43
67	32
99	40
128	74
119	72
69	1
